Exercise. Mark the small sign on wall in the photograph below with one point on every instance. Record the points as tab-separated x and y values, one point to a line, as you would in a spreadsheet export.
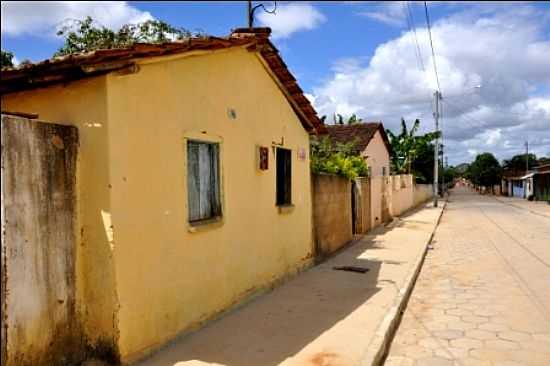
301	154
263	158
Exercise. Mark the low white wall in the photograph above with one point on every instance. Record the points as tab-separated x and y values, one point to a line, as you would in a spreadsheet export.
403	194
422	193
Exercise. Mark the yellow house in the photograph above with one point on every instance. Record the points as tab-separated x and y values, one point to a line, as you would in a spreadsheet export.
371	142
193	179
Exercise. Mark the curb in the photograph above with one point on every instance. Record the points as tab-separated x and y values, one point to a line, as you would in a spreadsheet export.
379	346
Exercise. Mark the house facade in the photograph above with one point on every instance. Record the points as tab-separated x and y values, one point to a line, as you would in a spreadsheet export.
541	183
193	179
371	142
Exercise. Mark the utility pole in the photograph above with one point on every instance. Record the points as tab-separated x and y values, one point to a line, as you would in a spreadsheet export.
443	187
526	157
437	97
250	15
251	9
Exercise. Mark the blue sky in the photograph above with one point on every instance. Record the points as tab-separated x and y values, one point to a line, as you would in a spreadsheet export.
344	33
359	57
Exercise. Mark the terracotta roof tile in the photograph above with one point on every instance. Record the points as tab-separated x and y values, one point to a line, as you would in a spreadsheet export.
360	133
88	64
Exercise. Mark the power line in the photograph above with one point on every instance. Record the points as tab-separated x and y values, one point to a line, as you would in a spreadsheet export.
432	45
410	15
410	31
456	108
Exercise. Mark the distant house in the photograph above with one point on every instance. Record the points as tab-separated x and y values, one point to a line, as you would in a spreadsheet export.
534	184
512	183
371	142
193	179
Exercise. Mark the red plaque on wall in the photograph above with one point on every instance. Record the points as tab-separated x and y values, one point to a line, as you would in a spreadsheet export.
264	157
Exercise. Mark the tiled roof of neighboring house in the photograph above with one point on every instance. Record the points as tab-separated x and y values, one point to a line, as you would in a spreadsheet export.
78	66
512	173
360	133
543	169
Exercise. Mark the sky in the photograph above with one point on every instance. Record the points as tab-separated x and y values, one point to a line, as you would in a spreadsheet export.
364	58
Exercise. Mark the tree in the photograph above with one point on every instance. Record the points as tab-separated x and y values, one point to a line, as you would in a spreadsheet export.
6	59
84	35
353	119
518	162
338	119
339	159
449	174
406	146
485	170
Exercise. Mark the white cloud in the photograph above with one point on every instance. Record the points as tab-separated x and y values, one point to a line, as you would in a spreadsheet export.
291	18
44	18
506	51
392	13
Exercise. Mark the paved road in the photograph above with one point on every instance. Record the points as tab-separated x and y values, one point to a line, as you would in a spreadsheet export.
483	295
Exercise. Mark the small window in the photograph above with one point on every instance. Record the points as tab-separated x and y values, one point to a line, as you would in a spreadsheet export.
203	181
284	168
384	171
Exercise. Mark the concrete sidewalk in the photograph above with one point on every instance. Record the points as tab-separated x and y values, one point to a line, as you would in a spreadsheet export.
322	316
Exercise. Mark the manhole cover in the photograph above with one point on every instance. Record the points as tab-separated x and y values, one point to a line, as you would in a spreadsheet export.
351	269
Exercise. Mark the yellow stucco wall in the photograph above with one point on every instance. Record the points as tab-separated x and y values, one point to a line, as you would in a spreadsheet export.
144	276
168	278
83	104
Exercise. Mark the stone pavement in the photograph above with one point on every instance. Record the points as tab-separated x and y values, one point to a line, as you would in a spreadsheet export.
322	316
483	294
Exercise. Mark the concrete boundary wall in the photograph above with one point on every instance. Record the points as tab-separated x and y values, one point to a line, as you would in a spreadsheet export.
422	193
362	205
376	201
332	216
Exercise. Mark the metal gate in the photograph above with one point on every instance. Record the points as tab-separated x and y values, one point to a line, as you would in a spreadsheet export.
39	323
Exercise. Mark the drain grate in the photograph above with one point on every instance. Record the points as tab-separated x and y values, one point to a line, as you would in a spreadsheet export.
351	269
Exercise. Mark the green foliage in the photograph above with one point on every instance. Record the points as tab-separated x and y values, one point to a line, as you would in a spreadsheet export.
449	174
407	148
6	59
84	35
353	119
485	170
338	159
518	162
338	119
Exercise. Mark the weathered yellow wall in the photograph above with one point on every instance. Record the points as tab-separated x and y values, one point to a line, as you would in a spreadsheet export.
83	104
170	279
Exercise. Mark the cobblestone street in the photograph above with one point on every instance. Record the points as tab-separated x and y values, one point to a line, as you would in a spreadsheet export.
483	295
